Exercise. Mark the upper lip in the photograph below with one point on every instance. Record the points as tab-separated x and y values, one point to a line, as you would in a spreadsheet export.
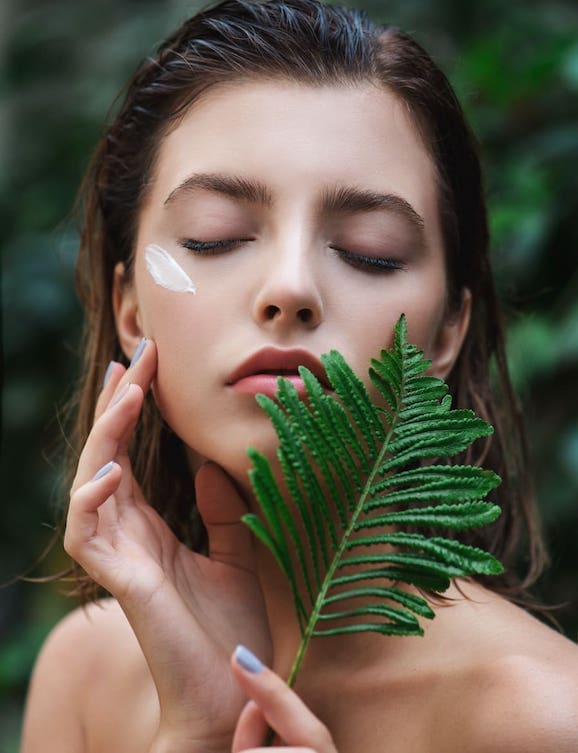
279	361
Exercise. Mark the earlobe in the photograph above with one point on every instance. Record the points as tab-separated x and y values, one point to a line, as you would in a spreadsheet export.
451	337
126	311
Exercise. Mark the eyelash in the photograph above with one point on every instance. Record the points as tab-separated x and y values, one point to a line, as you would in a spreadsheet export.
375	264
211	248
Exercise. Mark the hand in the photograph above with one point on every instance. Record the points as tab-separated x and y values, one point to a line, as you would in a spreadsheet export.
273	704
186	610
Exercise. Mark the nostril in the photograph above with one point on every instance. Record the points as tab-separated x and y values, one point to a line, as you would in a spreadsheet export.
271	312
305	315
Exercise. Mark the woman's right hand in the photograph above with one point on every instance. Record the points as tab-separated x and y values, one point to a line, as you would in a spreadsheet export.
188	611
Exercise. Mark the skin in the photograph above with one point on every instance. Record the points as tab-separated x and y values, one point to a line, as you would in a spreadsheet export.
165	641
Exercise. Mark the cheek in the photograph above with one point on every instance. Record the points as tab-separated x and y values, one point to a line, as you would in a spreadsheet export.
190	331
425	307
173	321
425	320
174	318
170	319
422	298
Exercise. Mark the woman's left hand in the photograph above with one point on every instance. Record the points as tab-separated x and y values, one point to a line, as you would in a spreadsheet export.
274	705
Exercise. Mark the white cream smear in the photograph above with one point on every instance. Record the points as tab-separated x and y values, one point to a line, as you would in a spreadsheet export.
166	271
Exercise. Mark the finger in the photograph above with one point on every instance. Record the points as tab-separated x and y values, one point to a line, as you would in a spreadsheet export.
114	373
251	728
83	512
117	391
141	371
251	731
221	506
110	434
281	707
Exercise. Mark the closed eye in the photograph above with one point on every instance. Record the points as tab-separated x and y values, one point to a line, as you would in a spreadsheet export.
211	248
369	263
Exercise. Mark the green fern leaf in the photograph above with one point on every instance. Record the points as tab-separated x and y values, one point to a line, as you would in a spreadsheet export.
354	472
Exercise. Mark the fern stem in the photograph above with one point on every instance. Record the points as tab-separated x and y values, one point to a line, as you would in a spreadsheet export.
325	585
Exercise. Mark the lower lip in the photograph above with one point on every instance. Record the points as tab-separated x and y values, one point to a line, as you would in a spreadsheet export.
267	384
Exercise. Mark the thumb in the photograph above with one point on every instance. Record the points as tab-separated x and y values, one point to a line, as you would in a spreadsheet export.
221	507
280	707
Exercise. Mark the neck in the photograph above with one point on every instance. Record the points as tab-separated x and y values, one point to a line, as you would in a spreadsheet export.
357	653
283	624
351	651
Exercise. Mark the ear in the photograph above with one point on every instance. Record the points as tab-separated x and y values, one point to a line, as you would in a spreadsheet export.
126	311
450	338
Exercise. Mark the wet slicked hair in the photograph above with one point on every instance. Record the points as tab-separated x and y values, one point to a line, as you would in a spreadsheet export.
314	44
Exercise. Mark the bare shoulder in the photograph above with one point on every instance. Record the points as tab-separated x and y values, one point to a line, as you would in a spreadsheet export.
86	637
90	652
528	705
524	689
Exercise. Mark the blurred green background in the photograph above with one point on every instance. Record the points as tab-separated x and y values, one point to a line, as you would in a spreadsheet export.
515	67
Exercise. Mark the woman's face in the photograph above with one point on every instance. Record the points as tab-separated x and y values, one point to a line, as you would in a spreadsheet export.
323	204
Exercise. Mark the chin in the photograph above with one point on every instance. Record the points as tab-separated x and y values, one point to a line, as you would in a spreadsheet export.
231	452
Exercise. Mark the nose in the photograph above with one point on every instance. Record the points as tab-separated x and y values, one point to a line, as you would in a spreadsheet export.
288	295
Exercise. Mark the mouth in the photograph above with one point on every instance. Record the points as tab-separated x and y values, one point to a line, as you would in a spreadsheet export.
259	373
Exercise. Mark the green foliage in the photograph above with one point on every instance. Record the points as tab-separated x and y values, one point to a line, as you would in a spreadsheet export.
354	476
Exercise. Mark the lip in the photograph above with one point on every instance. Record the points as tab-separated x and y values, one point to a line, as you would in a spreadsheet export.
260	371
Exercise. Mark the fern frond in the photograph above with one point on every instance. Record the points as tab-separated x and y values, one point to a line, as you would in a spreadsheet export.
355	476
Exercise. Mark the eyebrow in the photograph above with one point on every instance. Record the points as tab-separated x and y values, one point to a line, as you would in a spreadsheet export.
345	199
338	199
233	186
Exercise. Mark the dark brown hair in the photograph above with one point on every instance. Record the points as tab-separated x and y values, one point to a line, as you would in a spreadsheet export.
308	42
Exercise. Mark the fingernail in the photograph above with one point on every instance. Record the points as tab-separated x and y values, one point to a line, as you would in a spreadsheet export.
138	352
248	660
119	395
103	471
107	373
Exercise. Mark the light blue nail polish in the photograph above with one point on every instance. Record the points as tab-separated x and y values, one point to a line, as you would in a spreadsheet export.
138	352
103	471
248	660
107	373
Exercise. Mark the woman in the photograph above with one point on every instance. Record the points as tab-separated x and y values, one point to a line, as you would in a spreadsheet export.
310	177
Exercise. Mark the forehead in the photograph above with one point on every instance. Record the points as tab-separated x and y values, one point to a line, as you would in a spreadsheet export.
292	136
